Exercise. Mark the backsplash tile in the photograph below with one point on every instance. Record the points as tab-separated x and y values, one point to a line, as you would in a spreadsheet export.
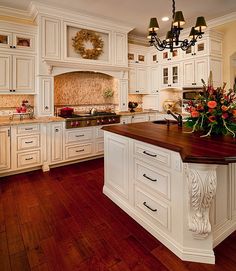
84	88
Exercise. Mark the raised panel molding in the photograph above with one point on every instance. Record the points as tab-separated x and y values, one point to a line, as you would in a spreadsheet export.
120	49
5	76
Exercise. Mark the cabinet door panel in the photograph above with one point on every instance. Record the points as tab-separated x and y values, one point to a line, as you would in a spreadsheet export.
5	75
188	73
5	39
120	49
46	97
24	42
57	142
5	149
141	78
23	74
50	38
200	71
132	80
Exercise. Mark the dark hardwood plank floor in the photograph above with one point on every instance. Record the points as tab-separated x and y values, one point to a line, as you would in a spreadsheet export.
60	220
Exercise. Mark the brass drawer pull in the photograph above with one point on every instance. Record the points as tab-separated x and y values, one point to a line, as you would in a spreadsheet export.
145	204
79	135
27	159
28	142
28	129
79	150
152	155
153	180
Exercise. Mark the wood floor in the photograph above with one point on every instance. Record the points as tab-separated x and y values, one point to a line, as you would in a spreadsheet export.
60	220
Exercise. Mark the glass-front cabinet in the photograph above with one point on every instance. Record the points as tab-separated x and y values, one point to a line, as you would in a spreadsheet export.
199	49
170	76
18	41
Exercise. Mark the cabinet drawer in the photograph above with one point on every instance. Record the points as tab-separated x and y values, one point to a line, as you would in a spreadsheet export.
28	128
152	154
28	159
78	135
152	208
156	179
77	151
28	142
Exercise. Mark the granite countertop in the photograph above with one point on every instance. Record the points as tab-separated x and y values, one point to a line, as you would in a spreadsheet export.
191	147
128	113
6	121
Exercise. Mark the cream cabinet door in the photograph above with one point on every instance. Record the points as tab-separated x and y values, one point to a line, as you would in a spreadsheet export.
5	155
46	97
132	80
141	77
120	49
5	72
57	142
201	71
188	76
50	38
23	74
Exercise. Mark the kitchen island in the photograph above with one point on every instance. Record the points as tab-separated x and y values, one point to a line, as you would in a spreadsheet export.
178	186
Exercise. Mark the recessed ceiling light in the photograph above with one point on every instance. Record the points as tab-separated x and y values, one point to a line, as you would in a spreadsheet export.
165	19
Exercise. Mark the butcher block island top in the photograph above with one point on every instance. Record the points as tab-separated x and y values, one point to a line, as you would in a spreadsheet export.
179	186
191	147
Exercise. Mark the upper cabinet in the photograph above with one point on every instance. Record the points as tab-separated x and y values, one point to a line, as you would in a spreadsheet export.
17	41
50	39
170	76
75	41
168	56
137	54
17	74
200	49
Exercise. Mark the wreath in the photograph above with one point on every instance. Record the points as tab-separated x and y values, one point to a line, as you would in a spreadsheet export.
84	36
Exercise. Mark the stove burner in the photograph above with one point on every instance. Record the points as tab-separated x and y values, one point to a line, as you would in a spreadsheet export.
85	120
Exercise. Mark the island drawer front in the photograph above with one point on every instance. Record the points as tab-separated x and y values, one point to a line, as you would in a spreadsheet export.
28	128
152	154
155	178
78	151
151	208
28	159
28	142
78	135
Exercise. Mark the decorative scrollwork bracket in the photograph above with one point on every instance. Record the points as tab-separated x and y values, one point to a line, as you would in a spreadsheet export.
202	184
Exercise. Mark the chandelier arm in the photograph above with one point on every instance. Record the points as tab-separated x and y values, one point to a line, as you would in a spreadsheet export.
173	9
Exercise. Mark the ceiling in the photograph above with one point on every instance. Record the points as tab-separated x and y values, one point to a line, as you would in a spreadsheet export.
136	13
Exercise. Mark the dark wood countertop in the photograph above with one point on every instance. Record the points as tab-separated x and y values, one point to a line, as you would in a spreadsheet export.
192	147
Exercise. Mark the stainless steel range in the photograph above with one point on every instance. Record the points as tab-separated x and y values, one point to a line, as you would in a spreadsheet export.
85	120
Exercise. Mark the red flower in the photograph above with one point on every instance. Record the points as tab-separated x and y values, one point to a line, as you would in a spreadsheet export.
212	104
194	114
210	110
224	108
234	112
212	118
225	115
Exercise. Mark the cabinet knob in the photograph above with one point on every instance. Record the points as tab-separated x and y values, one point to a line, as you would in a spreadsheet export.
136	61
137	91
10	90
56	130
123	103
10	46
46	107
13	90
14	47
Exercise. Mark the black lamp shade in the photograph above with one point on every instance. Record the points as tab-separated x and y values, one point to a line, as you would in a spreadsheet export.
178	19
193	33
153	25
200	24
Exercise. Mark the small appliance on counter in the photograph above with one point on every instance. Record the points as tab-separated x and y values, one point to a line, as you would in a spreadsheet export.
66	112
132	105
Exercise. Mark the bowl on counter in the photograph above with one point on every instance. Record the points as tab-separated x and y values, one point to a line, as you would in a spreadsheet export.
132	105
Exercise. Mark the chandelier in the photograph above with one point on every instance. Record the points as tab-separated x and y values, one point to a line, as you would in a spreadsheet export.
172	40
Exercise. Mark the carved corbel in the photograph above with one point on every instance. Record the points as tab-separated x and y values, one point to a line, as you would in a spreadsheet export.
202	184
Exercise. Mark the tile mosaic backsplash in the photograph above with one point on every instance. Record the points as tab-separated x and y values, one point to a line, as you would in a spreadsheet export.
84	88
8	103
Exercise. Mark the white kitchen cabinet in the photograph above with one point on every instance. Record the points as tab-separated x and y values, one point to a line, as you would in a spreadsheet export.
200	49
170	75
168	56
45	99
5	149
57	142
17	41
120	48
138	80
139	118
154	80
17	74
215	65
51	38
123	95
125	119
26	146
117	166
137	54
194	71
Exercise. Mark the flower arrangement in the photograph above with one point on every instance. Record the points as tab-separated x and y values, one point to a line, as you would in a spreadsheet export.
214	112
